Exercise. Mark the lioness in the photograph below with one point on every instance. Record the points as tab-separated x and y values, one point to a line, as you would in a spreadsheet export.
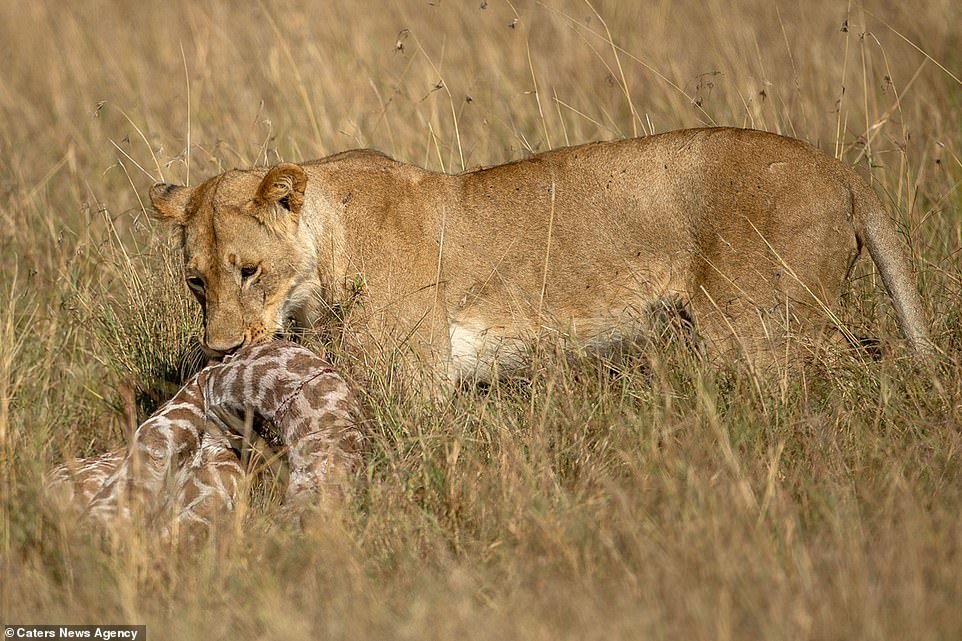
749	233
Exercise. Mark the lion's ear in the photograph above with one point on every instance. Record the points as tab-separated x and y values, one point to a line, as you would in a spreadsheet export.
170	202
284	186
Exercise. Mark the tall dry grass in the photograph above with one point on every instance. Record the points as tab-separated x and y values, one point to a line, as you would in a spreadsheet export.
651	501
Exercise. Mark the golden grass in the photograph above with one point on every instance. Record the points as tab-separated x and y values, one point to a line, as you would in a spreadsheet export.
664	501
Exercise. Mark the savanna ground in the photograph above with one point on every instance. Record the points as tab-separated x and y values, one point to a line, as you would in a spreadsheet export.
658	499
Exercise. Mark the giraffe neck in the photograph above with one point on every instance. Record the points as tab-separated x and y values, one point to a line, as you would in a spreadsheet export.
266	380
311	405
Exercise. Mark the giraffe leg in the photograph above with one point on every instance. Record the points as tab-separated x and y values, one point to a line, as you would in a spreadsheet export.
76	482
161	446
320	429
207	490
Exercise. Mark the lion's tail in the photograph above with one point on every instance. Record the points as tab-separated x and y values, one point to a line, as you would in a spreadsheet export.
874	228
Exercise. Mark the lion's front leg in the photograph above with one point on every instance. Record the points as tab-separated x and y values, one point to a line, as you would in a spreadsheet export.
400	341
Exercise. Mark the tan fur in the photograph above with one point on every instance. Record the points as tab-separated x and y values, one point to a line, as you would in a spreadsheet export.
752	233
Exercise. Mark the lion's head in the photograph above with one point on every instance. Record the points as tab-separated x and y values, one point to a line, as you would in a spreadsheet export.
244	259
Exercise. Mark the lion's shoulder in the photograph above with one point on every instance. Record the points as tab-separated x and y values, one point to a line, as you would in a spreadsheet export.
354	156
375	169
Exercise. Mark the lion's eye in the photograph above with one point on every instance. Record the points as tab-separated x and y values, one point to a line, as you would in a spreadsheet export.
195	283
248	271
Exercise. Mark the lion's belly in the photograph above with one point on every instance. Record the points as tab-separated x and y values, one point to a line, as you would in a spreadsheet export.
580	306
486	349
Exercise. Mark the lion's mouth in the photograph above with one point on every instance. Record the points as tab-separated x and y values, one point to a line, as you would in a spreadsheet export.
218	355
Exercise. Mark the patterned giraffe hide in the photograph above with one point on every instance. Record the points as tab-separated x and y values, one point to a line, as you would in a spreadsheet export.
181	462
